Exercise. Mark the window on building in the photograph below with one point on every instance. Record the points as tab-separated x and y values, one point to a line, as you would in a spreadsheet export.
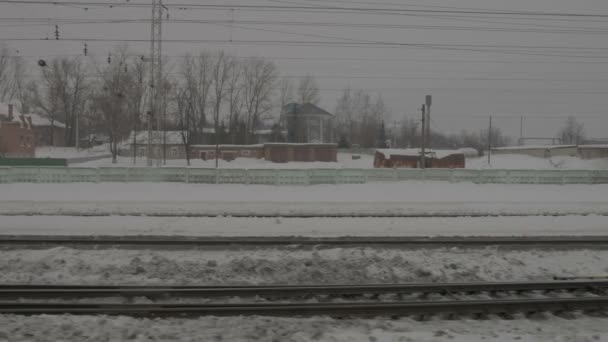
142	152
173	151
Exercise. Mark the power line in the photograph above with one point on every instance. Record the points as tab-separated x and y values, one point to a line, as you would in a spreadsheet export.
64	21
317	8
375	60
333	43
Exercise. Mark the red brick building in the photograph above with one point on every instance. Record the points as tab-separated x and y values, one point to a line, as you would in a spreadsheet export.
410	158
17	138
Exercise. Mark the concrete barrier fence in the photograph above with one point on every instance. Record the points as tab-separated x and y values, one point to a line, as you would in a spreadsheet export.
294	176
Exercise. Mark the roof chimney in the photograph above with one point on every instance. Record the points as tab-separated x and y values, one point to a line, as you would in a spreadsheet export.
10	112
29	121
23	124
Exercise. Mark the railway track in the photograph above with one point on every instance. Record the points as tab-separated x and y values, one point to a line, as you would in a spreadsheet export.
195	241
588	296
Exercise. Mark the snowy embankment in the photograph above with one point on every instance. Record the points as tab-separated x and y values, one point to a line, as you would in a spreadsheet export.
361	265
318	329
71	152
308	227
366	161
408	198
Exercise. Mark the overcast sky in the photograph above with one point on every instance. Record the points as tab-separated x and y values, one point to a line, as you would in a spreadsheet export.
542	68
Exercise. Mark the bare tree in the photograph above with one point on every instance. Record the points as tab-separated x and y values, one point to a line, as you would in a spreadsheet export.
62	96
221	73
197	74
259	76
6	77
135	96
285	92
234	98
110	101
573	132
186	121
308	90
344	124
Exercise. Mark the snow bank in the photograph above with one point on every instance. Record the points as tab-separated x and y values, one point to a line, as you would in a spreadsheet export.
319	329
62	265
515	161
366	161
310	227
344	161
70	152
410	198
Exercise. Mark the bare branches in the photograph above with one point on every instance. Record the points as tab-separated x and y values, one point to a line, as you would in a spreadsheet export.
573	132
308	90
259	75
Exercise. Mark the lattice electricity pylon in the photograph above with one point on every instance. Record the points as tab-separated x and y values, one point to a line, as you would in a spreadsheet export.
156	72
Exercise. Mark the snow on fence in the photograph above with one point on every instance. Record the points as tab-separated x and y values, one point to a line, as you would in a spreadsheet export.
294	176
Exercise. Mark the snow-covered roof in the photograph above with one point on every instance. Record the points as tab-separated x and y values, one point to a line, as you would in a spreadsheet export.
416	152
594	146
4	109
39	120
532	147
304	109
172	137
230	146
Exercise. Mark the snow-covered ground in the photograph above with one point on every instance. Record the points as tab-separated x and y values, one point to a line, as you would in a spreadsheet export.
520	161
310	227
366	161
319	329
70	152
353	265
344	161
399	198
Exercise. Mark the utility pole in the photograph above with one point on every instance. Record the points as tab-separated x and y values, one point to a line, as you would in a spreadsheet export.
428	101
490	140
521	130
423	136
155	78
77	132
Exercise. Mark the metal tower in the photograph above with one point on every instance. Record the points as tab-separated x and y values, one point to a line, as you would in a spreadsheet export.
156	72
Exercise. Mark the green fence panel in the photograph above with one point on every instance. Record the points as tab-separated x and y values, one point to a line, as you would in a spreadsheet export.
550	177
381	175
323	176
83	174
203	176
599	177
493	176
521	176
6	174
351	176
232	176
33	162
577	177
113	174
173	174
293	177
143	174
262	176
410	174
464	175
25	174
437	174
52	174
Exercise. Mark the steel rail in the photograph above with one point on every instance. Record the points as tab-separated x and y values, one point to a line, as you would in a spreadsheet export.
308	309
82	291
155	240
